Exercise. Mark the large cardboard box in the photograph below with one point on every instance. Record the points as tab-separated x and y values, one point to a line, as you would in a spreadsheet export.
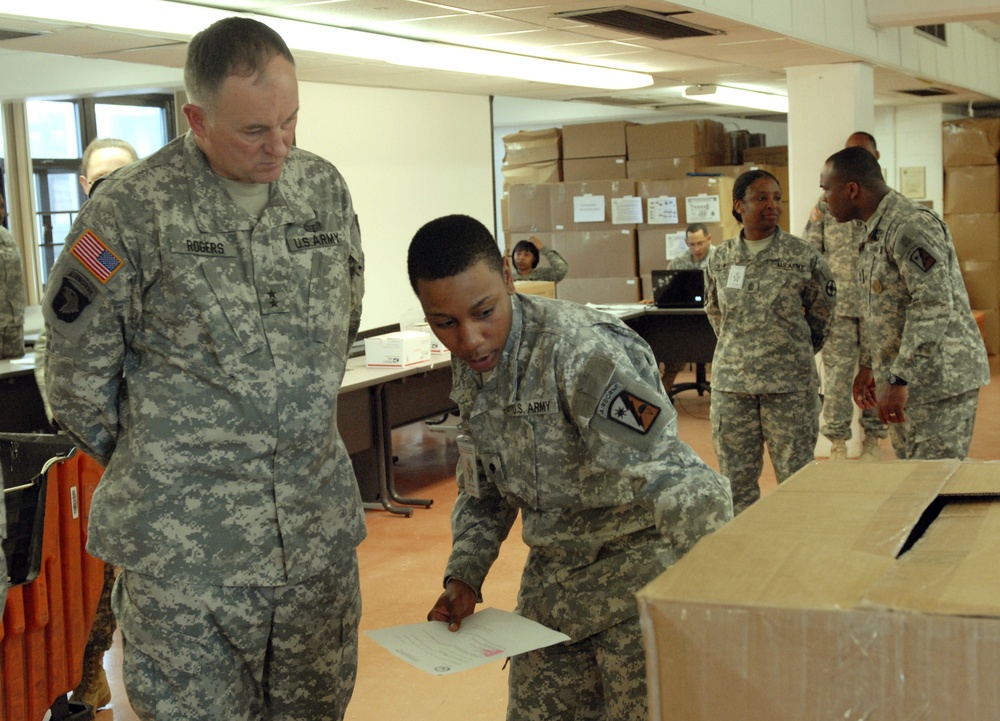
595	140
601	291
547	171
670	168
840	595
972	141
544	288
976	235
982	282
610	168
529	207
532	146
972	189
773	155
595	205
676	139
598	253
698	199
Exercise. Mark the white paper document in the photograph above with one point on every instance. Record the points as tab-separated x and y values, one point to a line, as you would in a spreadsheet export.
485	636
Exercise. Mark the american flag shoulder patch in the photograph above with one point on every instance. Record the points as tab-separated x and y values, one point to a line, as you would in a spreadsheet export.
96	257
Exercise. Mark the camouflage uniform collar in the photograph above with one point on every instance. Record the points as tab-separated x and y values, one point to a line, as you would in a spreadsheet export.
776	237
872	223
216	212
516	326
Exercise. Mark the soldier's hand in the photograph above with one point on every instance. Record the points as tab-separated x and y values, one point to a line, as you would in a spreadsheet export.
892	403
457	602
864	389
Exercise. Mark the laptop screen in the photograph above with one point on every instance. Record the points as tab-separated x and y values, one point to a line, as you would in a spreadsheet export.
679	288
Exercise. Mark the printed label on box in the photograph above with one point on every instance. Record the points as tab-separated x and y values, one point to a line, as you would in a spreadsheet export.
663	211
588	209
703	209
627	210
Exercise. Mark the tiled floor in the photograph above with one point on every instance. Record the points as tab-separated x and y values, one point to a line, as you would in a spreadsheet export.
402	560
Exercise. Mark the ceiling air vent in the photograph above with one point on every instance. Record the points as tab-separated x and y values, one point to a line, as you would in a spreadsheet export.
927	92
16	34
662	26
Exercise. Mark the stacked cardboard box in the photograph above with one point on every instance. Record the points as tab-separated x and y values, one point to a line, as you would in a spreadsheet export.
532	156
840	595
594	151
630	192
972	212
662	151
592	225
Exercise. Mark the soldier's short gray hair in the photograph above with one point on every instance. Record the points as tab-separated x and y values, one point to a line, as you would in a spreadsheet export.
232	46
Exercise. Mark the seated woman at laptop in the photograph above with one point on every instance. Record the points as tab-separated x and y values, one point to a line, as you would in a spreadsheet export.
525	257
699	249
770	298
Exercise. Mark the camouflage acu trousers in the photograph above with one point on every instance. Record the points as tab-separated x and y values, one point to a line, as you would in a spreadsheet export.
601	678
205	653
743	422
840	360
942	429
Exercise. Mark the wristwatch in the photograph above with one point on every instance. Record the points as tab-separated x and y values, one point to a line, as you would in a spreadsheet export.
895	380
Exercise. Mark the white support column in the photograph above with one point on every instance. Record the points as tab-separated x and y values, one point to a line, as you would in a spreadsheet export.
826	103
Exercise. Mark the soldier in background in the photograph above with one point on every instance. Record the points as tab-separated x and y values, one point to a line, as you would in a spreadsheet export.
565	420
839	243
525	257
199	322
699	249
770	297
927	359
11	292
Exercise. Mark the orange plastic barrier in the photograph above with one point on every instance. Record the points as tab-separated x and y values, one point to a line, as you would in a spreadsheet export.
47	620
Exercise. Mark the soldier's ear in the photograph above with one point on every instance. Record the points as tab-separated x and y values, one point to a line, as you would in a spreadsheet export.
196	118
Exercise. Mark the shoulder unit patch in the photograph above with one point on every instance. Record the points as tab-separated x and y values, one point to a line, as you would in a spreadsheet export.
628	409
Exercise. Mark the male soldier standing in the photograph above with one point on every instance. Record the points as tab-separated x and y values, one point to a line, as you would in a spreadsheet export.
199	324
848	339
927	359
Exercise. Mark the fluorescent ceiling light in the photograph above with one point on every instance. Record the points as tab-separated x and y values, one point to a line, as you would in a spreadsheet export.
163	18
722	95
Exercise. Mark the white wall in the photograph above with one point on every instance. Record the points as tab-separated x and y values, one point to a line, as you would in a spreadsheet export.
910	137
408	157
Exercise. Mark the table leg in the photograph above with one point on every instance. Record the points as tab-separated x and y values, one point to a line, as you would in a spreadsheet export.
389	487
383	454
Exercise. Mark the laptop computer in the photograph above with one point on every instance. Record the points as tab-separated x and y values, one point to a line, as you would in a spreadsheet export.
679	288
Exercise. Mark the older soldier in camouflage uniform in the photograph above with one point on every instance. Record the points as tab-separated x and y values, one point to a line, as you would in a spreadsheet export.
927	360
770	298
566	422
699	249
198	329
11	293
839	243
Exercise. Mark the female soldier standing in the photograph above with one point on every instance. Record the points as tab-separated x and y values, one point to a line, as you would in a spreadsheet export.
769	296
